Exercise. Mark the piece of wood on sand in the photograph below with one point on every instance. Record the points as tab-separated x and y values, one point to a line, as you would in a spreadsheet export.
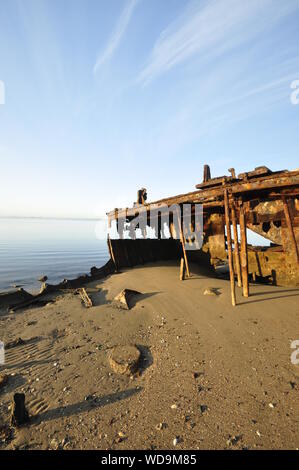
182	270
244	254
229	248
290	227
236	245
85	297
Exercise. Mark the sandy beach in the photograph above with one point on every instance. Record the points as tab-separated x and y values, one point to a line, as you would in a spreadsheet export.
212	376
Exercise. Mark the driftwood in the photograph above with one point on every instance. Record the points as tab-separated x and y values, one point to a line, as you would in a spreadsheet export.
85	297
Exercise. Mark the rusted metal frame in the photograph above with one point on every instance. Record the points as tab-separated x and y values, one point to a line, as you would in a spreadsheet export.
229	248
236	243
290	227
244	253
286	180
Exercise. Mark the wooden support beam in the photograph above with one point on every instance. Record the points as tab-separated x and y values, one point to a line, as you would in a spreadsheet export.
183	245
229	248
236	245
182	270
244	254
290	227
111	251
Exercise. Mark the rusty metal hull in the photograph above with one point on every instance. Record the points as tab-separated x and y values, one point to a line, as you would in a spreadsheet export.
270	204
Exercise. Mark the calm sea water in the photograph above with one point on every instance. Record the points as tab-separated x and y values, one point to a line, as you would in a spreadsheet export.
59	249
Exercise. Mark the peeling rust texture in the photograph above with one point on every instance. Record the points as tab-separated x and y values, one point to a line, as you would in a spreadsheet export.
261	193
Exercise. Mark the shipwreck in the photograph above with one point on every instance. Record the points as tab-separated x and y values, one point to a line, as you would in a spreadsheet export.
263	201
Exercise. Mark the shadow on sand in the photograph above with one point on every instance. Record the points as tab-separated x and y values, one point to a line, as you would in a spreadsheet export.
83	406
295	294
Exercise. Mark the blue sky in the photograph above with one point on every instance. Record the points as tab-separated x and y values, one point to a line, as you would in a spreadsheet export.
105	96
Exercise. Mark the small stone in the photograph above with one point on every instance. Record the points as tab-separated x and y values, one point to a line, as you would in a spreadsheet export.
258	433
271	405
176	441
174	406
88	398
203	408
3	380
233	440
123	299
161	426
54	444
65	441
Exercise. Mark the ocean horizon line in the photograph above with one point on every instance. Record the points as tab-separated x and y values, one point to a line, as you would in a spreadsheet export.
91	219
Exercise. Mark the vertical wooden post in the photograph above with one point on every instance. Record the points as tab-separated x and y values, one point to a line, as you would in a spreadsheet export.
236	245
290	227
244	255
229	248
111	251
182	270
183	245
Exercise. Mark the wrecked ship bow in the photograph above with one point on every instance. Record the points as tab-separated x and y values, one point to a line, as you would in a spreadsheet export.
262	201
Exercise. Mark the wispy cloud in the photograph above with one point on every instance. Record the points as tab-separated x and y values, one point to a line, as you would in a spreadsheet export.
212	28
117	34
